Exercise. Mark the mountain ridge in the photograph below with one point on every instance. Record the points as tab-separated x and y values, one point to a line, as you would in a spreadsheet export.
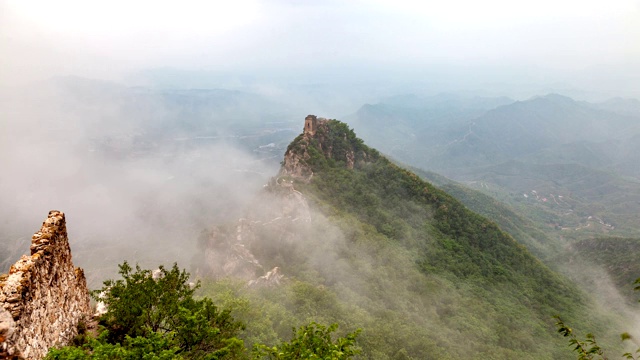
345	179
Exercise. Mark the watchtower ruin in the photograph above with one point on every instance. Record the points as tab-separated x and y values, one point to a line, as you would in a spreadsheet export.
310	124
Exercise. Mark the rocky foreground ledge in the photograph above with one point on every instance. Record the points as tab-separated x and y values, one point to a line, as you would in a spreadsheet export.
43	297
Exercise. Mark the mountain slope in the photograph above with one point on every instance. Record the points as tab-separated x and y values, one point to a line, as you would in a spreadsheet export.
421	274
566	197
528	154
406	209
509	219
619	257
570	167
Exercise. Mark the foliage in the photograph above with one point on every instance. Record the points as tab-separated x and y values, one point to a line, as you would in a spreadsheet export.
311	341
521	228
587	349
158	317
154	346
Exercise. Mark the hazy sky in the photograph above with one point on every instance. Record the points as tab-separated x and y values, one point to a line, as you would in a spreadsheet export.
106	39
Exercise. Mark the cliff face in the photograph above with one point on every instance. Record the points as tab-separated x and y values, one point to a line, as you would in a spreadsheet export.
43	297
297	156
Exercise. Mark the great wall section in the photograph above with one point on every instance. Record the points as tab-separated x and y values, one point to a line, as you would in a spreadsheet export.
43	297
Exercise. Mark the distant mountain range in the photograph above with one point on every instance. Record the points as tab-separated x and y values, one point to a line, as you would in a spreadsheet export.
446	132
551	144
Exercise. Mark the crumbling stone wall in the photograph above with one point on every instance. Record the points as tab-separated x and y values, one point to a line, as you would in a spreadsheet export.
43	297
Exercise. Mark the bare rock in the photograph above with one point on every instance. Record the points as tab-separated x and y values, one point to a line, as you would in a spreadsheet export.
43	297
271	278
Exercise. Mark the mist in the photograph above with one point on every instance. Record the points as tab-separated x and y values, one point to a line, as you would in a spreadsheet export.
130	191
152	124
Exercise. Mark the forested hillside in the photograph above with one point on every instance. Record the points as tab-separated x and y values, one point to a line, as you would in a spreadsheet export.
510	220
620	257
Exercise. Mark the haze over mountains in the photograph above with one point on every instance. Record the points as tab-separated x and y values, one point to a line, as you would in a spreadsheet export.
569	156
566	165
157	128
558	170
472	132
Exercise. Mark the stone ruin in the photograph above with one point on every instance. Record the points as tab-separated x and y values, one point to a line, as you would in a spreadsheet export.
43	297
311	123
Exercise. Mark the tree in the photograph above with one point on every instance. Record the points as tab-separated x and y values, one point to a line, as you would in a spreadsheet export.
312	341
588	349
155	346
157	316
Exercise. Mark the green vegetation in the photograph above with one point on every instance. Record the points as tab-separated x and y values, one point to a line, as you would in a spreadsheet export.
568	167
157	317
312	341
404	208
522	229
587	349
619	256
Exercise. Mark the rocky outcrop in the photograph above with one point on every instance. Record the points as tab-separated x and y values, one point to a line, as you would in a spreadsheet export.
240	249
271	278
323	143
43	297
297	155
295	164
225	253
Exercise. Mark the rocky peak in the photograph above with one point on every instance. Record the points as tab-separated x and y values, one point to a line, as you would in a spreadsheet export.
43	297
323	143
